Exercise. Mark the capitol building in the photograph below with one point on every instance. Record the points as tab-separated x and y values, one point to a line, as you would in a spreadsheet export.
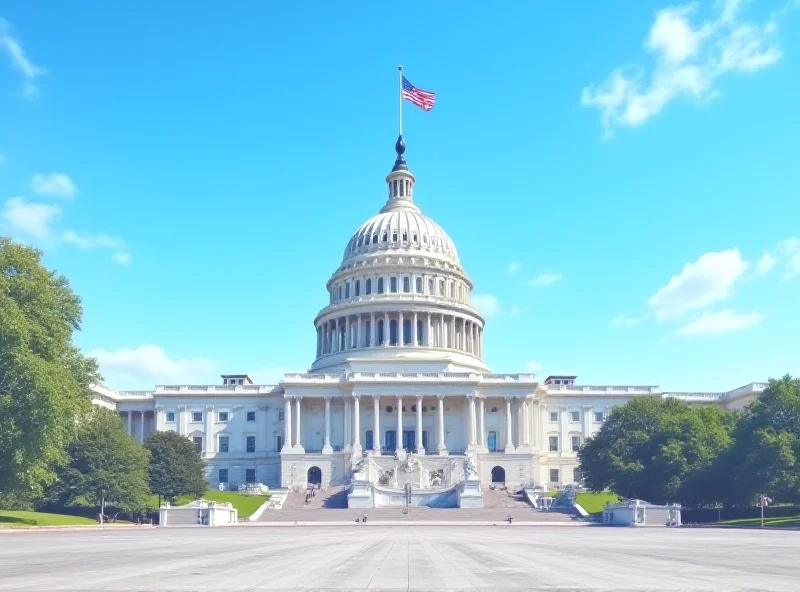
398	374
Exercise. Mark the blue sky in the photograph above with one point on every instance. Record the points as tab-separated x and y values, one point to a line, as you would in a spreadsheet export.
621	180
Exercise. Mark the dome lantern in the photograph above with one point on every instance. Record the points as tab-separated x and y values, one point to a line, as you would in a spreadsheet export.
400	182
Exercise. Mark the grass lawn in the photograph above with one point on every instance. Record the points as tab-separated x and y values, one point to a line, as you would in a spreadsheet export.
779	522
12	518
595	502
245	504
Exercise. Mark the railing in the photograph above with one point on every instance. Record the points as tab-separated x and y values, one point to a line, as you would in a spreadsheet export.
604	389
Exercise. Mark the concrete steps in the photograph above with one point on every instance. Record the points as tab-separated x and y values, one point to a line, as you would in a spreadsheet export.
416	514
498	498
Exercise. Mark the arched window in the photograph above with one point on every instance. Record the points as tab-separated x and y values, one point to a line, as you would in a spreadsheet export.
340	292
394	184
414	237
418	286
380	285
394	236
430	286
406	284
368	287
393	285
424	239
393	332
380	332
405	236
385	237
374	239
441	288
358	288
347	290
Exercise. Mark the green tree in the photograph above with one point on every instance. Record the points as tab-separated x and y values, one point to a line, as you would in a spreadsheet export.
765	457
106	463
45	381
660	450
175	466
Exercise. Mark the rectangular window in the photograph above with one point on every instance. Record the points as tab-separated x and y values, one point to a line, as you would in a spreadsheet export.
380	285
418	286
406	285
222	416
367	334
280	415
574	416
197	416
347	290
170	416
393	285
577	476
553	443
554	416
198	443
224	444
598	416
251	443
250	475
223	475
576	443
241	381
279	443
251	416
553	475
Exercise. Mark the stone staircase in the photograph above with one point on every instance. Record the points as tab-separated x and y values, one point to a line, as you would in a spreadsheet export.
502	498
334	497
414	514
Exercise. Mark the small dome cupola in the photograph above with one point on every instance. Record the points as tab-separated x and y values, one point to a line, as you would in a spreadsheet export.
400	182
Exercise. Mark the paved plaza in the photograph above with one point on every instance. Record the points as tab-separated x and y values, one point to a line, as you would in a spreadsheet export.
400	558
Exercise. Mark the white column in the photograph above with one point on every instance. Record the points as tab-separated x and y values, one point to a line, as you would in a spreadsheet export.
182	429
426	339
399	423
356	426
376	426
400	341
442	447
347	446
287	423
420	448
298	432
386	332
159	418
482	424
347	337
326	443
509	443
472	435
209	443
563	434
373	331
414	333
359	337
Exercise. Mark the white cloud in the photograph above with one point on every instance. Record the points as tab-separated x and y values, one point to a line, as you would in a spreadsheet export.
623	321
122	258
32	219
30	71
57	184
789	246
533	367
687	61
268	375
792	267
514	267
487	304
719	323
90	241
150	365
545	279
708	280
765	264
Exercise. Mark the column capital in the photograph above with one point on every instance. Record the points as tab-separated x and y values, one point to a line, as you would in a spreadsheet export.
376	397
419	397
209	407
181	407
159	407
356	395
440	397
399	397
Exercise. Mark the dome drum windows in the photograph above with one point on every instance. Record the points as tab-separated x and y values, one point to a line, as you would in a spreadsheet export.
358	288
368	287
347	290
393	285
406	285
380	285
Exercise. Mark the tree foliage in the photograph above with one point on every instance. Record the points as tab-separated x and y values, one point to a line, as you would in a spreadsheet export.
765	457
44	379
105	463
175	466
660	450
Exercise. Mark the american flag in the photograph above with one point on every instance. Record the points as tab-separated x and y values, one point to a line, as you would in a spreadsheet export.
421	98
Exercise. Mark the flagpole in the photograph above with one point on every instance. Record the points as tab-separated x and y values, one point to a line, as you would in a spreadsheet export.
400	70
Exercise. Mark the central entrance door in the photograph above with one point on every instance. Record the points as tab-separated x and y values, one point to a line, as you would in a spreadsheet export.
409	440
314	476
390	441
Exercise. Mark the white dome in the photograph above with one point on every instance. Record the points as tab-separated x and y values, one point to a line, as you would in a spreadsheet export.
402	230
